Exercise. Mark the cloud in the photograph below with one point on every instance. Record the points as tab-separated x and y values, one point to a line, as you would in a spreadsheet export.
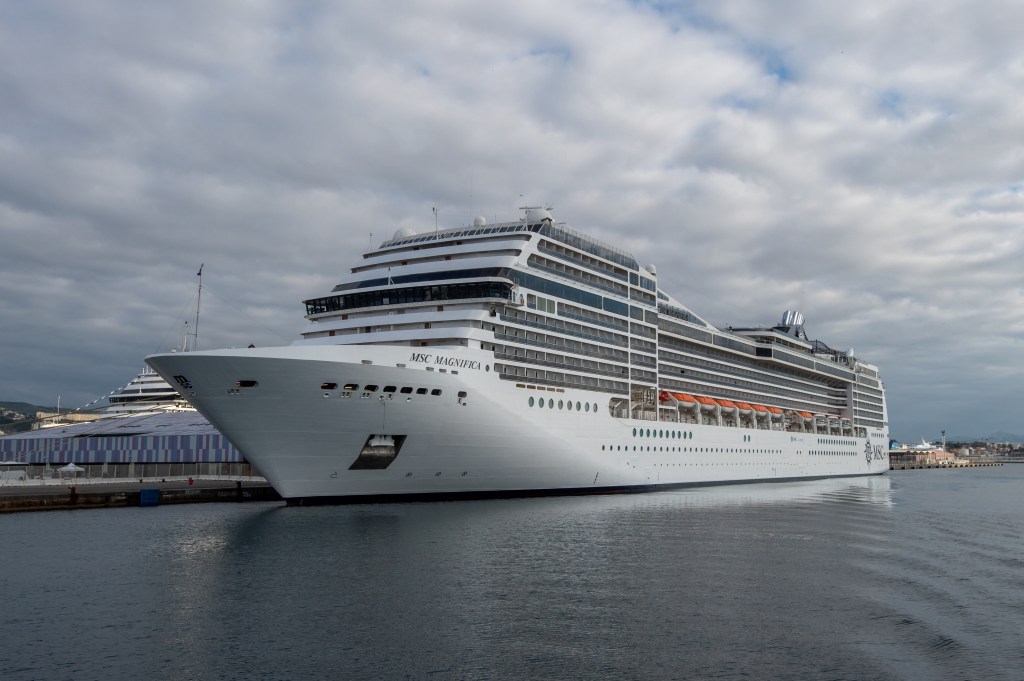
861	163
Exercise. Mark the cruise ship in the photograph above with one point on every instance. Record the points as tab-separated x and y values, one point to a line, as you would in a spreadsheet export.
148	391
527	357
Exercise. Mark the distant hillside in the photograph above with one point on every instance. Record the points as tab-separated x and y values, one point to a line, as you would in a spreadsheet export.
992	437
15	417
25	407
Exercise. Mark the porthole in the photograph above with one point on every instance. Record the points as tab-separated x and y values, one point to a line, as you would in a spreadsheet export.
551	403
577	406
568	405
634	432
560	404
588	406
595	407
531	401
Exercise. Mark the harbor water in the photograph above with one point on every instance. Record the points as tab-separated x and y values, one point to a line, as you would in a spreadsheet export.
911	575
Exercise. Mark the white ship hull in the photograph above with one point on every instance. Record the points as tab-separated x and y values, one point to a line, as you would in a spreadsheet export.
315	442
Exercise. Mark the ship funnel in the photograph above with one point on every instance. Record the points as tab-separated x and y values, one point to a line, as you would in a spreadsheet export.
793	324
792	318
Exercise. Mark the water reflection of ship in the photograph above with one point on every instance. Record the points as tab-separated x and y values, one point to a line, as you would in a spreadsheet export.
873	490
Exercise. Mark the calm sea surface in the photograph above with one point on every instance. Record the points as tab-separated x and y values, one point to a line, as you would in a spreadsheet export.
913	575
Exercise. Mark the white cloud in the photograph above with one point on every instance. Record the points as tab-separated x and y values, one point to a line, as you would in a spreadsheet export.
860	162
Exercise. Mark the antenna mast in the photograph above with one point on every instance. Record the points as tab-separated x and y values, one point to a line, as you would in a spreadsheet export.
199	300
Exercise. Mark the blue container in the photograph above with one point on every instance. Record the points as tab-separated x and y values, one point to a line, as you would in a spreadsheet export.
149	497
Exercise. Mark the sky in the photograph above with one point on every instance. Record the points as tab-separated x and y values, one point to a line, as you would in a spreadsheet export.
860	162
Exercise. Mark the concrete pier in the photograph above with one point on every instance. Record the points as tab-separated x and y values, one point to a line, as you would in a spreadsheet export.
941	464
119	494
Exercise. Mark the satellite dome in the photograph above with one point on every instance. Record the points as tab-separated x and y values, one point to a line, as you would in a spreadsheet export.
652	269
404	233
479	221
538	215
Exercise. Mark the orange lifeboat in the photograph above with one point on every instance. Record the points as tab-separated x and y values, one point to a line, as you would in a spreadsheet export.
684	401
744	407
706	403
664	396
727	406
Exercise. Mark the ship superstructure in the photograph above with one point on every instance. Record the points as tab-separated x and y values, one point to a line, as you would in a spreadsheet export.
527	357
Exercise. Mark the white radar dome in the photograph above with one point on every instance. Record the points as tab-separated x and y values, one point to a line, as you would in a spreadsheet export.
652	269
404	233
479	221
538	215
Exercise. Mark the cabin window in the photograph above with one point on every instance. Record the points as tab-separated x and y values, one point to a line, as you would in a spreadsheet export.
328	386
351	386
435	391
246	384
406	390
421	391
371	388
390	388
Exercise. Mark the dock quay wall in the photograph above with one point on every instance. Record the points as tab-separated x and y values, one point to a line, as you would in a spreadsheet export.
120	495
